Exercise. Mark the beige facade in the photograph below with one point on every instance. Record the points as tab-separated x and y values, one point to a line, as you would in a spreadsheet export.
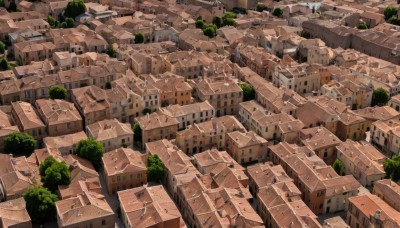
246	147
371	211
222	93
385	135
173	89
206	135
321	141
349	93
190	114
61	117
302	78
64	144
26	52
86	210
156	127
320	55
323	190
28	120
124	168
362	161
351	126
389	191
111	133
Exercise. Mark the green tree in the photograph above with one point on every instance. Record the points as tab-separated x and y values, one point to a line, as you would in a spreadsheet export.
199	24
380	97
261	8
155	169
47	163
74	8
389	12
137	133
2	3
248	92
91	150
111	52
228	19
277	12
64	25
305	34
217	21
210	30
394	21
57	92
19	143
52	21
12	7
54	175
4	64
70	22
146	111
40	204
2	48
139	38
392	168
362	25
338	167
108	85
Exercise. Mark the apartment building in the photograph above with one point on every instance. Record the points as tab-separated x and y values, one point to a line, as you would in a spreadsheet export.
173	89
85	210
257	59
192	192
156	127
321	141
111	133
246	147
222	93
124	168
175	161
60	116
323	190
246	111
302	78
8	127
190	114
371	211
280	205
361	160
13	213
320	55
356	96
16	176
64	144
206	135
26	52
385	135
263	175
388	191
209	160
321	111
28	120
149	207
275	127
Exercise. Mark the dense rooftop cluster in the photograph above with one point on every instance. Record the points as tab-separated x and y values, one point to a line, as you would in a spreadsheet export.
199	113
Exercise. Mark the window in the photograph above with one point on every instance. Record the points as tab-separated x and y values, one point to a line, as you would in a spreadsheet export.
103	222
